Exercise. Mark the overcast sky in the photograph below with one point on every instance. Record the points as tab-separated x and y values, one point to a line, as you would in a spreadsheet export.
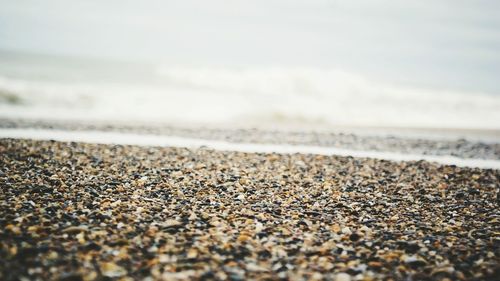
448	43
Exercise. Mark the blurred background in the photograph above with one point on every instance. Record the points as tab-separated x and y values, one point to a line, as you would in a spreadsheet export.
262	63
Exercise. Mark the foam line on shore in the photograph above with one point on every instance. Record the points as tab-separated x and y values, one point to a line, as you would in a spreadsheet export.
173	141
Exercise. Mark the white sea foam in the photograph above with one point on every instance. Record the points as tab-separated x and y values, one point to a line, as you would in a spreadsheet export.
295	97
172	141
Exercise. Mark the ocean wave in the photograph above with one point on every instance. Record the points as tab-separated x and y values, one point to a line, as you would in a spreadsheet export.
251	96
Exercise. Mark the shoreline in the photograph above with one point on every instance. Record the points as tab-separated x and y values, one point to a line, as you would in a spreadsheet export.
488	135
121	138
428	145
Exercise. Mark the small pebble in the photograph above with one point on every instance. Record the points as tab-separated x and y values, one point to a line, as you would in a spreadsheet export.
73	211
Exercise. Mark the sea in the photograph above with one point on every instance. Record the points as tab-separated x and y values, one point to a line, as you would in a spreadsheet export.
52	87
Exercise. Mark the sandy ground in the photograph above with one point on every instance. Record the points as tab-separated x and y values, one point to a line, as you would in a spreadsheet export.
97	212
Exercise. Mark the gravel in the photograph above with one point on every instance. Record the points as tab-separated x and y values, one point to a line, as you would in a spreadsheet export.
74	211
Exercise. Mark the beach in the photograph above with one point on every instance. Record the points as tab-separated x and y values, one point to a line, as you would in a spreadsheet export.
249	140
422	143
77	211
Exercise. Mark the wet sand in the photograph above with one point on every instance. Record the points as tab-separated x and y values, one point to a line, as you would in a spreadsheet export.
77	211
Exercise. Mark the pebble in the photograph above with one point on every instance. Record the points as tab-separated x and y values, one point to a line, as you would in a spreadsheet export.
110	269
85	211
75	229
342	277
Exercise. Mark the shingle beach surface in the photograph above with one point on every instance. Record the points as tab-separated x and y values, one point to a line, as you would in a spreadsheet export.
387	142
76	211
